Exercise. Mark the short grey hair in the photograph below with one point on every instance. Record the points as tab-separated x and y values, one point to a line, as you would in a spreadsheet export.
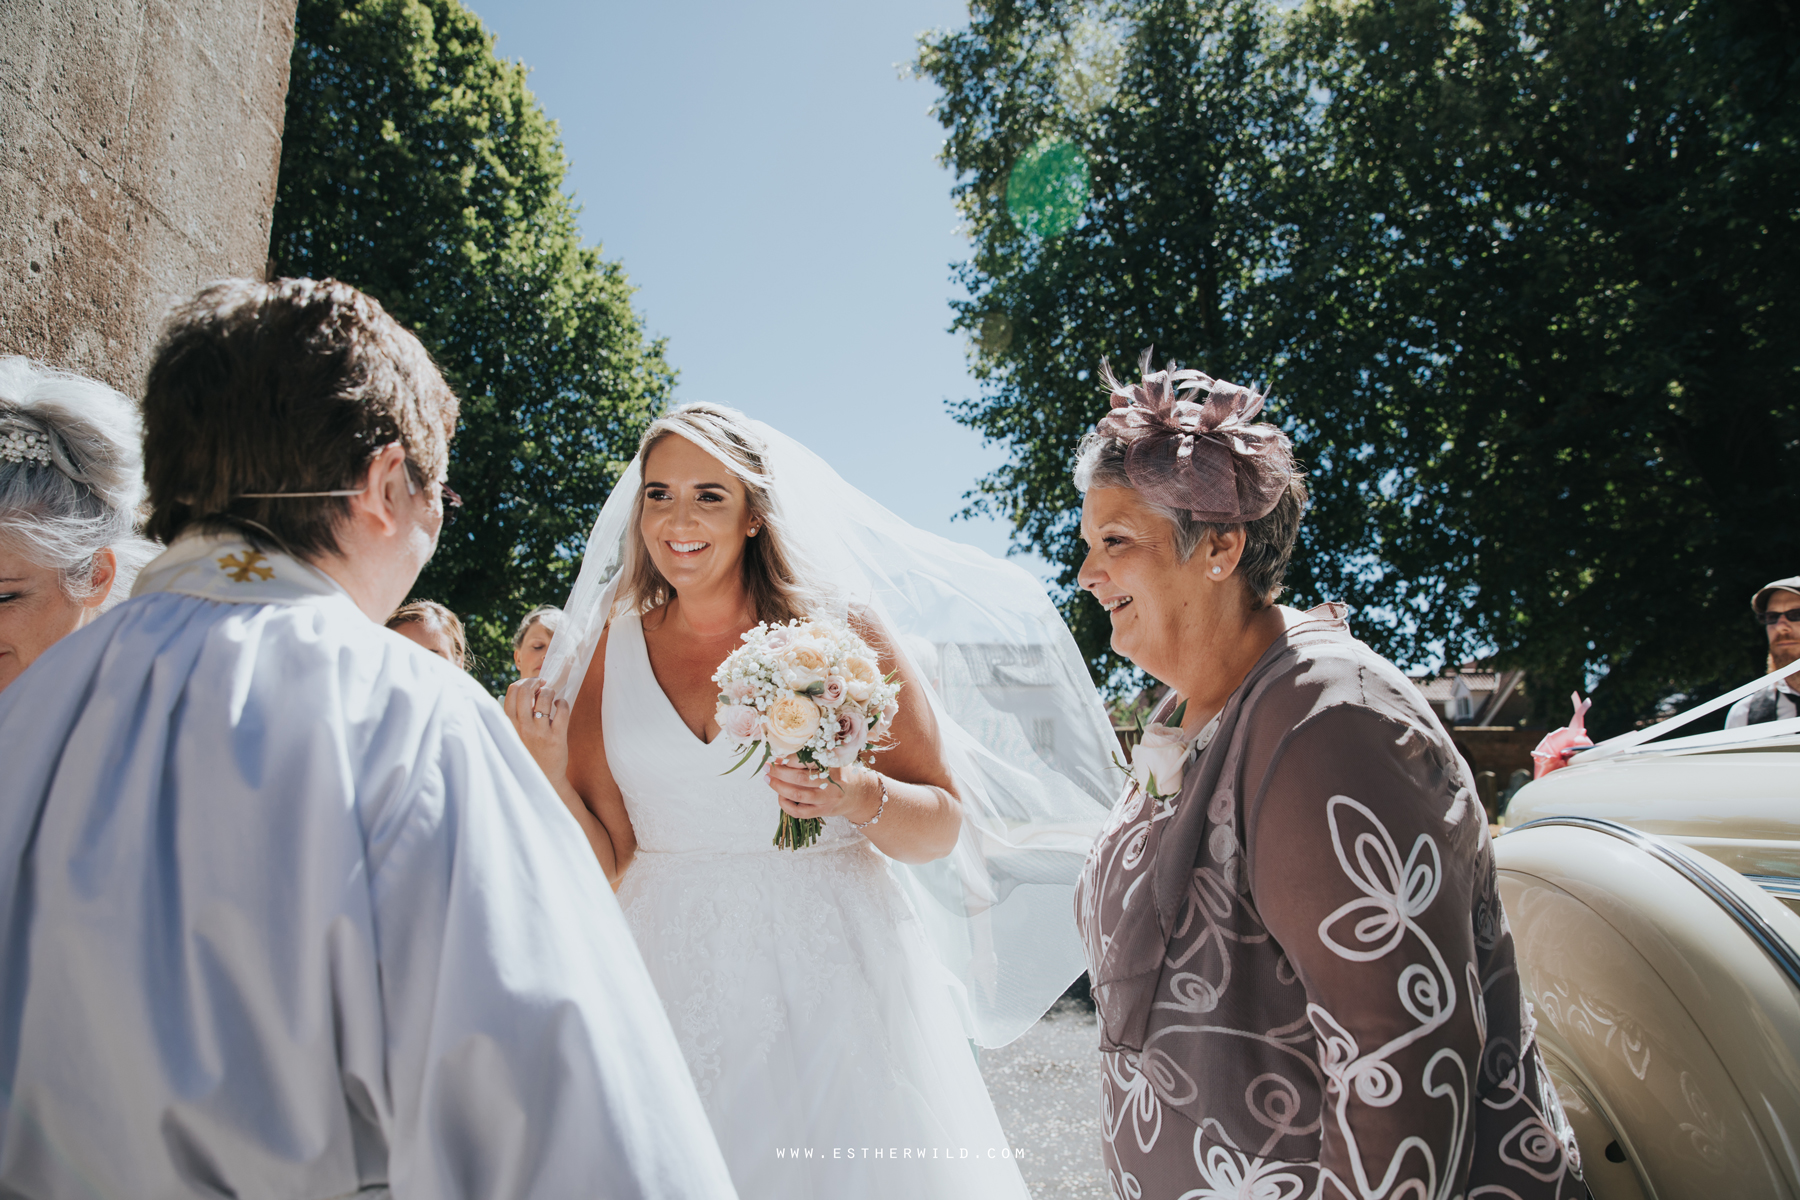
60	514
1268	540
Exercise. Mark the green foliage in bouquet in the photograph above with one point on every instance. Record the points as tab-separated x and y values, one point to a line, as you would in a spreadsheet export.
418	166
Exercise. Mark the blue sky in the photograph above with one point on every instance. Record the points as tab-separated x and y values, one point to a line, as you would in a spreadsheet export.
768	177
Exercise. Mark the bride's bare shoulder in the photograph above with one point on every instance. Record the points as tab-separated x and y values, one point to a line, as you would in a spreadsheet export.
888	648
870	628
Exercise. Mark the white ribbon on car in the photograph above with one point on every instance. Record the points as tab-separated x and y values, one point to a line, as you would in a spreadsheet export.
1726	737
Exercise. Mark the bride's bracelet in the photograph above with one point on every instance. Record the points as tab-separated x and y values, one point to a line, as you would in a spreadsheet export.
859	826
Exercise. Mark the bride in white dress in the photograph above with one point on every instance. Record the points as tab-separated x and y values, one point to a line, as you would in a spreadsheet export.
825	998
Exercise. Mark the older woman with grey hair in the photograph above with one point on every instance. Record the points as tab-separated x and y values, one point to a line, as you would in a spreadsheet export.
71	479
1305	983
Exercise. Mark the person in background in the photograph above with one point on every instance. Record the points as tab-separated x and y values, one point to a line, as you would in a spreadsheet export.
434	627
1777	609
532	640
71	479
286	909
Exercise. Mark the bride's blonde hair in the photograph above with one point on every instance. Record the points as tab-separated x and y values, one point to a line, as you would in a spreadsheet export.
773	573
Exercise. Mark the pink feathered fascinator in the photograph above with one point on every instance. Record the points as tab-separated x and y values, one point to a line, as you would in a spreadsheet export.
1190	443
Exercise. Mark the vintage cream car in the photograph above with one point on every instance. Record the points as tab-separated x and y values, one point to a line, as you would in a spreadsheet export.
1653	892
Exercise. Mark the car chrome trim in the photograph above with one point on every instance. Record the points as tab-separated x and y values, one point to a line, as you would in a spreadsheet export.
1748	919
1779	885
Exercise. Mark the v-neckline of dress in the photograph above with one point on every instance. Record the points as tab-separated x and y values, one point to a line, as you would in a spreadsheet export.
675	713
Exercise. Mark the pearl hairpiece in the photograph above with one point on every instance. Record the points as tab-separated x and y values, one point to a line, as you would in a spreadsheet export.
24	446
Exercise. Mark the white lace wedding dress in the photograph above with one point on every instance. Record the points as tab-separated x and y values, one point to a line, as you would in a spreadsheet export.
820	1027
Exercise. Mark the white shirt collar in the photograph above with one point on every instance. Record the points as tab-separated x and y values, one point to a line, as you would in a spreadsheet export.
226	567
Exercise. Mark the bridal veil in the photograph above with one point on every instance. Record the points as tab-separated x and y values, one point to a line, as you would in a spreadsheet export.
1024	732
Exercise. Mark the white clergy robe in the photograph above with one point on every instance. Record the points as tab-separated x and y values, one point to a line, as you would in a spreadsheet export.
287	910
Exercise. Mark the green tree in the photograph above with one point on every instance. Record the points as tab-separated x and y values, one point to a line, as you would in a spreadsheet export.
1539	329
1167	121
1526	302
418	166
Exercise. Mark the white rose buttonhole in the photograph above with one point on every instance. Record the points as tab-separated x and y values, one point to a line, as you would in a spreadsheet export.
1160	757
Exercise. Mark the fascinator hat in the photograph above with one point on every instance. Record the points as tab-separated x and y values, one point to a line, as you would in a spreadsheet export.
1191	442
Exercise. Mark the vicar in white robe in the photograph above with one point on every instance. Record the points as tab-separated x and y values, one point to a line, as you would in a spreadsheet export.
286	909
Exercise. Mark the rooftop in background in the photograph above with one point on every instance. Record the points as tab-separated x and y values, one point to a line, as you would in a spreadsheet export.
1477	694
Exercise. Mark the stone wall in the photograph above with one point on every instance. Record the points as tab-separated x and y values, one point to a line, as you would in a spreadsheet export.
139	145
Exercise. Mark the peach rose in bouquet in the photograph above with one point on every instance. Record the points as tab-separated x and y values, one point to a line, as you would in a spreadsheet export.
792	720
807	689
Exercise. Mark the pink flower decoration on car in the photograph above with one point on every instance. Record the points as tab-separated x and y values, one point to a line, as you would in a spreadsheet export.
1559	745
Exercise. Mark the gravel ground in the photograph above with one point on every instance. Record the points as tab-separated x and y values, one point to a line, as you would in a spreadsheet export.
1046	1088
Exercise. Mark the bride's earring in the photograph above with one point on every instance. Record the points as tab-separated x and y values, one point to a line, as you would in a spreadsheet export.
755	528
1215	570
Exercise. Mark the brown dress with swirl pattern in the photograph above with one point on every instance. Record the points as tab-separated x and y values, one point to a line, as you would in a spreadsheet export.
1305	983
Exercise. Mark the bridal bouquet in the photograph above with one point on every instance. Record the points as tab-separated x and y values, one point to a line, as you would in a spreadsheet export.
807	688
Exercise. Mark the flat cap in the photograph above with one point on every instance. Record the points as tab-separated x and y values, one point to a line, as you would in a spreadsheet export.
1760	601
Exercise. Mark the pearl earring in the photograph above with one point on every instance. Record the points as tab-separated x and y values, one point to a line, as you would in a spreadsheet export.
1215	570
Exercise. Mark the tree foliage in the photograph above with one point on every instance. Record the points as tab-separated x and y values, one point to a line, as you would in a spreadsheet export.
1179	116
418	166
1521	276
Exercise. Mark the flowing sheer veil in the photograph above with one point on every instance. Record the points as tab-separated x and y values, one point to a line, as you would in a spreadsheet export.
1024	731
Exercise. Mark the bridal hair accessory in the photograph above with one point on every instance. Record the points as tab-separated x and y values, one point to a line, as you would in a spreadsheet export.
1191	443
807	688
24	446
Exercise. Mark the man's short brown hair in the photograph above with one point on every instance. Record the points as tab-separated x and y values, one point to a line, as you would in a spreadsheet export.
288	386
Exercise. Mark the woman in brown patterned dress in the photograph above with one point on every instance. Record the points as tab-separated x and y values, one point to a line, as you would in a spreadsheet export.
1305	983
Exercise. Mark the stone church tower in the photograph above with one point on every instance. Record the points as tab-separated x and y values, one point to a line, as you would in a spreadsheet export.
139	145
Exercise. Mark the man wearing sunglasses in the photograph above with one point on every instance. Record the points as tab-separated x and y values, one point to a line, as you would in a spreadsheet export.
286	909
1777	609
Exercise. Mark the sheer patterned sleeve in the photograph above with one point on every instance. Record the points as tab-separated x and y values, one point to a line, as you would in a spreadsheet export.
1365	852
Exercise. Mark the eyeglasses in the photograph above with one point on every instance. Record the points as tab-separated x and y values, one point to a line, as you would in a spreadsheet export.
1790	615
415	479
452	505
452	502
